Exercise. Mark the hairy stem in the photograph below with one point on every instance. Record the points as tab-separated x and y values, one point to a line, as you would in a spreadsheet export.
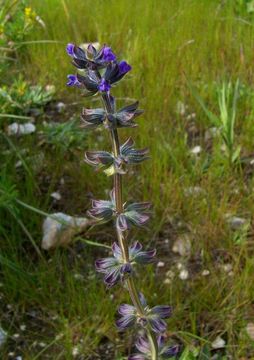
121	238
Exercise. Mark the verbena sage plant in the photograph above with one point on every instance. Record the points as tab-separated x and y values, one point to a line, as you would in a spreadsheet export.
97	72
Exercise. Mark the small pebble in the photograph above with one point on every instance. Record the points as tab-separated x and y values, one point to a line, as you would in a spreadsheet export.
218	343
75	351
184	274
16	336
56	195
60	106
250	330
42	344
179	266
227	268
196	150
22	327
205	273
170	274
167	281
160	264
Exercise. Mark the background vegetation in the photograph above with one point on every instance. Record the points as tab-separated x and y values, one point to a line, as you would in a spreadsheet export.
184	54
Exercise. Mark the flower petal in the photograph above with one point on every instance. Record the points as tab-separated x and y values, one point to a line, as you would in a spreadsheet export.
158	325
143	345
171	351
145	257
125	322
117	251
126	309
163	311
102	265
135	248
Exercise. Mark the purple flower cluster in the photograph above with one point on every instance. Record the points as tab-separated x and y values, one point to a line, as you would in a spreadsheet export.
128	156
152	316
97	72
133	214
124	117
116	269
92	61
143	346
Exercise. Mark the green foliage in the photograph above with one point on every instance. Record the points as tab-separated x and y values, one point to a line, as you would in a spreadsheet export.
244	7
225	120
64	136
17	20
22	98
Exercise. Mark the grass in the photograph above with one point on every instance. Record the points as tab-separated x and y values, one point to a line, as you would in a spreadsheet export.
166	42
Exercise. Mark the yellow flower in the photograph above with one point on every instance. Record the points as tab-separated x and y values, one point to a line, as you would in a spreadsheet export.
28	11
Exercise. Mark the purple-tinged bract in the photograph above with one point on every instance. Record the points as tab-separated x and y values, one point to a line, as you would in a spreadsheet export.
73	81
165	352
115	268
152	316
104	85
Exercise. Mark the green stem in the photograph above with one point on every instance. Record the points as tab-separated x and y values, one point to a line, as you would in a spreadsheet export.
121	238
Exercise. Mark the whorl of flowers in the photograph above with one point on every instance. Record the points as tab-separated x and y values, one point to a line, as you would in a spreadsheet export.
97	72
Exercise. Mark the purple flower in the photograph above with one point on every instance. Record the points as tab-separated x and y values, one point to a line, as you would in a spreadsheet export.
143	346
73	81
70	49
125	116
91	118
133	214
104	85
103	210
107	54
116	71
128	155
152	316
124	67
90	58
116	268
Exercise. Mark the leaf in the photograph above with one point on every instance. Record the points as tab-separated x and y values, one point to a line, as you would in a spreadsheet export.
212	117
187	355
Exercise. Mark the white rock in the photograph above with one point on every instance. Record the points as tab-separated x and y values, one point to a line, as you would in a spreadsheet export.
22	327
160	264
60	106
227	268
170	274
218	343
250	330
75	351
21	129
56	195
42	344
205	273
182	245
179	266
196	150
193	190
167	281
3	336
59	229
236	222
184	274
18	358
